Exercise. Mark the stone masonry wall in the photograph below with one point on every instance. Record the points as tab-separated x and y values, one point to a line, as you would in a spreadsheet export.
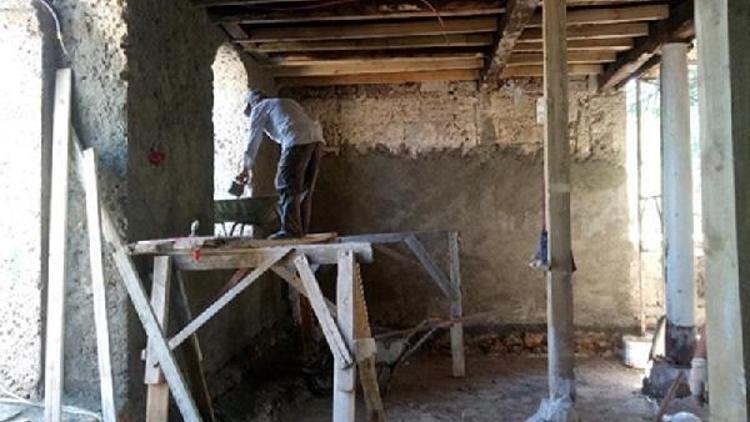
445	156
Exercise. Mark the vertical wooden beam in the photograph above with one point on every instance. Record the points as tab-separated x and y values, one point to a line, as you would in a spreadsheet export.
157	399
53	367
724	92
98	286
677	196
456	307
345	378
557	184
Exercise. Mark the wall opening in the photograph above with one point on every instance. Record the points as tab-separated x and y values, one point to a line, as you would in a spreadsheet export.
230	124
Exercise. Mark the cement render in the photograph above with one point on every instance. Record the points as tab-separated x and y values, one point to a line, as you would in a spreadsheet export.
445	156
22	123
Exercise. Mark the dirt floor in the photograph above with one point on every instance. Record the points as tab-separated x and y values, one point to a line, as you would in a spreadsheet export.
501	388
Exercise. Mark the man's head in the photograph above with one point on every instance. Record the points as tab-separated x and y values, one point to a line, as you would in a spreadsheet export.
253	97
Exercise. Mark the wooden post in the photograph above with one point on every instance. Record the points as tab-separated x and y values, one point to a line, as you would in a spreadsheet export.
157	399
724	93
98	286
58	221
557	184
345	378
456	308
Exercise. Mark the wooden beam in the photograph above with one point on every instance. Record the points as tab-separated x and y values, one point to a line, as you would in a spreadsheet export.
395	43
225	299
98	287
249	258
374	30
57	262
456	307
437	274
355	11
574	57
609	44
382	78
517	15
538	71
557	187
213	244
650	12
677	28
584	32
580	3
157	395
336	342
215	3
379	66
345	377
167	361
358	57
234	30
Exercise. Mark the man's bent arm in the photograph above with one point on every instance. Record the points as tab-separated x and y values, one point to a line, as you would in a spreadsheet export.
254	137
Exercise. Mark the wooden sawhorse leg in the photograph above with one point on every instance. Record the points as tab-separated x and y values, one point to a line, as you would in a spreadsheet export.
157	398
456	308
345	378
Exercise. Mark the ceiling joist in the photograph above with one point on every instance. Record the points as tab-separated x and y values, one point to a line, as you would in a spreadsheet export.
381	30
395	43
602	16
356	11
517	15
396	65
381	78
306	42
593	32
677	28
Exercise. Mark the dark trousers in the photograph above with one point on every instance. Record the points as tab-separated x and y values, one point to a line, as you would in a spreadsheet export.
296	175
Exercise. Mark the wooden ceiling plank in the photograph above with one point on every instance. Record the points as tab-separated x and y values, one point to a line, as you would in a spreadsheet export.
538	71
574	57
395	43
518	13
601	16
582	32
360	11
609	44
679	27
375	66
341	57
381	78
215	3
381	30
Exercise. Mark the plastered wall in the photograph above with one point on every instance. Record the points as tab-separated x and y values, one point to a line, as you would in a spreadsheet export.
438	156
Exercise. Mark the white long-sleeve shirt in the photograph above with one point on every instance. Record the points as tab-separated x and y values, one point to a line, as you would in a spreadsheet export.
284	121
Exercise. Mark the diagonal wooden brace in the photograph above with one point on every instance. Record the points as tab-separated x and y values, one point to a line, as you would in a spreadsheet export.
160	348
322	313
438	276
225	299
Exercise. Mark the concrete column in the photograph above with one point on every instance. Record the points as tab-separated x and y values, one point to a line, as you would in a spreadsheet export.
677	203
724	92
